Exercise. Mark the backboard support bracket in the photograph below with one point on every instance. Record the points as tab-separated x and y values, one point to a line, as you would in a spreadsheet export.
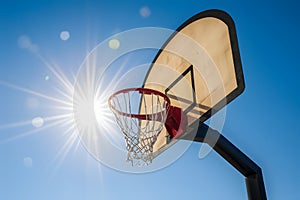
240	161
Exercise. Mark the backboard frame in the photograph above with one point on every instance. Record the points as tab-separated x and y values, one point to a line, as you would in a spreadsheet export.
226	18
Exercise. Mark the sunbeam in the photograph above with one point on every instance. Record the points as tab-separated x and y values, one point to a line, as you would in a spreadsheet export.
37	94
31	132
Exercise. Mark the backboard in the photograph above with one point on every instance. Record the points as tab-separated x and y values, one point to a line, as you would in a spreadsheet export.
198	68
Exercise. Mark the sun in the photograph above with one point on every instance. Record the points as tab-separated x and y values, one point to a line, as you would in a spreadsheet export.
84	112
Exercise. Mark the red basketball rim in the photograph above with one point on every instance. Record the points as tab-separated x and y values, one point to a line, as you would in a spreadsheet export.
143	91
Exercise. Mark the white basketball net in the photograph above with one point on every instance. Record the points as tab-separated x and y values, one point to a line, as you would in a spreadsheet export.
140	132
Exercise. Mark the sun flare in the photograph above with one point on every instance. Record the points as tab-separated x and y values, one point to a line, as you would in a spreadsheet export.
84	114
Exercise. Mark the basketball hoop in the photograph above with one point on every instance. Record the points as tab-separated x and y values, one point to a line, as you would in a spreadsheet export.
141	114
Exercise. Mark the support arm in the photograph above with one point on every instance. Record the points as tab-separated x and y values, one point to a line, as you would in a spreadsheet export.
251	171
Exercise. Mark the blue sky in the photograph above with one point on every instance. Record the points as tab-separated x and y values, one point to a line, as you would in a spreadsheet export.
36	158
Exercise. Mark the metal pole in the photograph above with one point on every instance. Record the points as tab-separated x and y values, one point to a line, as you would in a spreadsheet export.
241	162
